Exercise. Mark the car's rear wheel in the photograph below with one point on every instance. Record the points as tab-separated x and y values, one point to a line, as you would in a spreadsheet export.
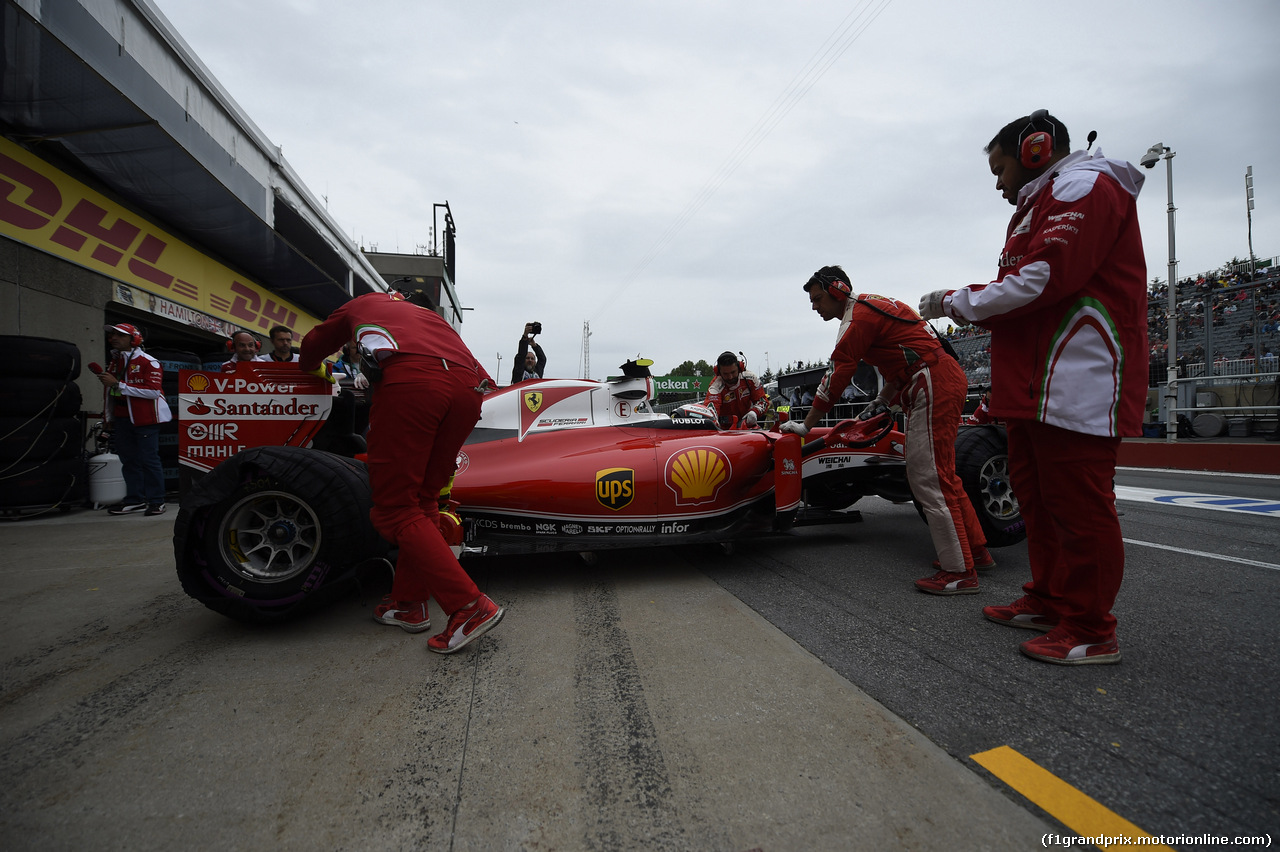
273	531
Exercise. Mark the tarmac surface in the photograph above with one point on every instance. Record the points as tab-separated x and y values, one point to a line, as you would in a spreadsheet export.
640	708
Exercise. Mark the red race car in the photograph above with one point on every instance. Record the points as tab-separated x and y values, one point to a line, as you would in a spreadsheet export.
553	465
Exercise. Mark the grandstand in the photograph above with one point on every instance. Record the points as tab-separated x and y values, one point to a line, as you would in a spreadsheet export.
1228	351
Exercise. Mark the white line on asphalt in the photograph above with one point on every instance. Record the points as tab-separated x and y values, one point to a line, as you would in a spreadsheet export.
1235	559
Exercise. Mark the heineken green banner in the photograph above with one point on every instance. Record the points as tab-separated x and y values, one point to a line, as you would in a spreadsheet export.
690	385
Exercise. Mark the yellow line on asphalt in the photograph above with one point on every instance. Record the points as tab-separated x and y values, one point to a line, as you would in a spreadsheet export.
1085	816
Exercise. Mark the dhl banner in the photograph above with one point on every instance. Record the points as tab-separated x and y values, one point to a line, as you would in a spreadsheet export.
51	211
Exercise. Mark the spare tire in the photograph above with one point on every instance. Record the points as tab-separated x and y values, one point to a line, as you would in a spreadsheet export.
63	482
20	395
40	358
40	438
982	462
273	532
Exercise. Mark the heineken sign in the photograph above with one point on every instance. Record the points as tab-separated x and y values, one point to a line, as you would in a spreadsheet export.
690	385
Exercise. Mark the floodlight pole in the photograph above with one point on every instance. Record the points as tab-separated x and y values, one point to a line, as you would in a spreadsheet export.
1171	425
1154	154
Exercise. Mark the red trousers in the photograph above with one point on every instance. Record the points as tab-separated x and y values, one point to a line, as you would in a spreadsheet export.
422	412
934	400
1065	486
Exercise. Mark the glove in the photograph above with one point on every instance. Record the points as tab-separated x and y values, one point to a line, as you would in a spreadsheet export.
748	421
873	408
795	427
931	304
322	372
360	382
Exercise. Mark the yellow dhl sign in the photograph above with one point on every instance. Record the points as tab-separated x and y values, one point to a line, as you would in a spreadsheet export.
51	211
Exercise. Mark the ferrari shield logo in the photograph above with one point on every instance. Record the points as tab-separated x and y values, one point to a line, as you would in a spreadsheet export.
616	487
533	401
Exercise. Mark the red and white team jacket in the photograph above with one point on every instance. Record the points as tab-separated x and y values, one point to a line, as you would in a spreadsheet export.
1068	311
385	324
747	395
895	347
139	396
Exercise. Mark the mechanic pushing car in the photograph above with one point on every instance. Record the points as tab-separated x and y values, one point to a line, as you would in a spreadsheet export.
426	402
929	384
736	394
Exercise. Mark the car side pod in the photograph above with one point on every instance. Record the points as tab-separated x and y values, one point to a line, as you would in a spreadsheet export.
786	479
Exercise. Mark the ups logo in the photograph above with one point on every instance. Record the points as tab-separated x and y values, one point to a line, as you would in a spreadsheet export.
616	487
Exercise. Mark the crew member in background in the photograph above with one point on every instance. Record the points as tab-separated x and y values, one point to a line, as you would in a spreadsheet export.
135	408
427	402
928	383
736	393
281	346
244	346
1068	320
530	363
348	363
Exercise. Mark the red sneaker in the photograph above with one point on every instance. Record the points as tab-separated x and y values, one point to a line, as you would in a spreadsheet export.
407	615
1060	647
982	560
1020	613
467	624
950	583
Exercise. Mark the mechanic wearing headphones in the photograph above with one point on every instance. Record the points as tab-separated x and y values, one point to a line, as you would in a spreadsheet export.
1068	321
134	409
920	375
245	346
426	403
735	392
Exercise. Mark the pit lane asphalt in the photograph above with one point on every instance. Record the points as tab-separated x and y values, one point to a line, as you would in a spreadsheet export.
1179	739
634	704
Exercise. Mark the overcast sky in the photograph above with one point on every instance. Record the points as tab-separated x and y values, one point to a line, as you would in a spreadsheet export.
673	172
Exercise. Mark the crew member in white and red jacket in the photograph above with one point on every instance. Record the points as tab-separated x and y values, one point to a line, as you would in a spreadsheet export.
135	408
1068	319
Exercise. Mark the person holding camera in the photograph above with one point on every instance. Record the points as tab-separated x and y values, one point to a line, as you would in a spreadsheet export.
531	363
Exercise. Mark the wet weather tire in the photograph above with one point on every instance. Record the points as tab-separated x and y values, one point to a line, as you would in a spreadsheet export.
40	357
982	462
273	532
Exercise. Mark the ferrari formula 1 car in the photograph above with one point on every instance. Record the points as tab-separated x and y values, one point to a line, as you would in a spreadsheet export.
552	465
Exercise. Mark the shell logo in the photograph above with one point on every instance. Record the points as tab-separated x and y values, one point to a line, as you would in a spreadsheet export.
697	474
197	384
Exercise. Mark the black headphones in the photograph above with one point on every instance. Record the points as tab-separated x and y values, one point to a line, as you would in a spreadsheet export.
1035	147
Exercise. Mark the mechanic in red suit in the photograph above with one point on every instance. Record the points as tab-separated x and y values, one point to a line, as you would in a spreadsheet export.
929	384
424	407
1068	321
736	392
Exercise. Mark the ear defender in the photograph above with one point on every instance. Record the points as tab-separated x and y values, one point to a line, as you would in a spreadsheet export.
837	288
1035	147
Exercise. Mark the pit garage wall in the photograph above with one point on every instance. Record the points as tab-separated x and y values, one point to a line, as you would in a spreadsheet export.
72	259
